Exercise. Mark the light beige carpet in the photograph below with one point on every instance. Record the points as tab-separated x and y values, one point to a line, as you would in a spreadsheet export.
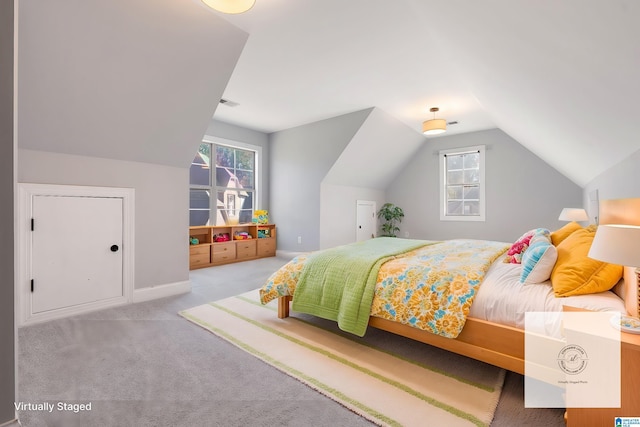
384	388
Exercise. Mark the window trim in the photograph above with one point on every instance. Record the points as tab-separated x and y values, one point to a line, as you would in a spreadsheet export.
443	184
213	209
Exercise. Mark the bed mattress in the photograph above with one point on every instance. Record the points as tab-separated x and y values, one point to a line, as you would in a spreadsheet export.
503	299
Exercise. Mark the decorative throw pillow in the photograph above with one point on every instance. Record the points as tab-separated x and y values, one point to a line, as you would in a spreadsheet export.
563	232
514	254
577	274
538	260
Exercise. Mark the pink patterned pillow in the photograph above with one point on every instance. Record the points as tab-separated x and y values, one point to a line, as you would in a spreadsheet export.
514	254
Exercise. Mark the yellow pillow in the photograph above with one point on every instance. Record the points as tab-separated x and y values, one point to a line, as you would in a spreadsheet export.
577	274
562	233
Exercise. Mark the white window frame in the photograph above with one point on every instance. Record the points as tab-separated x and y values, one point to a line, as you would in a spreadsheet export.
212	187
443	184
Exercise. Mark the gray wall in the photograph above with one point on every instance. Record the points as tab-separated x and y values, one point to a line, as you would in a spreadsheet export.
124	101
522	191
362	172
7	182
376	154
619	182
161	198
161	205
338	212
120	79
218	129
300	159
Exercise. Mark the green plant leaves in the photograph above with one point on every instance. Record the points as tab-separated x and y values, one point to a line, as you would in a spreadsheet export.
392	216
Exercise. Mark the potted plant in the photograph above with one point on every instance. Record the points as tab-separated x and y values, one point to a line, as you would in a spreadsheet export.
392	216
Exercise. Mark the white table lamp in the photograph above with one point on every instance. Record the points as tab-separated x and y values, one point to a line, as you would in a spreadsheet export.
618	244
573	214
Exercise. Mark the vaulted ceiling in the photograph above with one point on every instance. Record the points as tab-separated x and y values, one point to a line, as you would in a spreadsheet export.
135	80
560	77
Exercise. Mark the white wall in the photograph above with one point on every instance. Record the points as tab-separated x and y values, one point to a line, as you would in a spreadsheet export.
376	153
300	159
338	212
320	170
161	205
619	182
522	191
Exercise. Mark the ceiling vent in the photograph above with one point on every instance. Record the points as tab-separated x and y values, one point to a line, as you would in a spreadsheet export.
228	103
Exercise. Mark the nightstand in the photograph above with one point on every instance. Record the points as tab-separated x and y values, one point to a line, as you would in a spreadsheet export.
629	395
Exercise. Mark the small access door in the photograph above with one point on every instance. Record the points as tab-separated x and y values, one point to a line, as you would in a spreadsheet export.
366	223
76	251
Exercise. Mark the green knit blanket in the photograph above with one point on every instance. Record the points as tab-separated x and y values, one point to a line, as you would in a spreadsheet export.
338	283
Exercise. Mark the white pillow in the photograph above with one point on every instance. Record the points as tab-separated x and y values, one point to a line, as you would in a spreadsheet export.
538	261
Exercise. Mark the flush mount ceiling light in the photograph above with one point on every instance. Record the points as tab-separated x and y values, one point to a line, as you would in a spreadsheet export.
230	6
434	126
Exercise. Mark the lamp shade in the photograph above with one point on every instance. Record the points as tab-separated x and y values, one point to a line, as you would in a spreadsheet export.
617	244
573	214
434	126
230	6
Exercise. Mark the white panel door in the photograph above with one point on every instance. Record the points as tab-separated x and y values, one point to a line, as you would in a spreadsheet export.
365	220
76	251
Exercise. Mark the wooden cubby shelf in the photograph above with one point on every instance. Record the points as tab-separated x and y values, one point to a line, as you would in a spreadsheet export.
224	244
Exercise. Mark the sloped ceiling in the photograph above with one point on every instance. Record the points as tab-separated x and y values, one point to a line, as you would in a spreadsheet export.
560	77
123	79
370	160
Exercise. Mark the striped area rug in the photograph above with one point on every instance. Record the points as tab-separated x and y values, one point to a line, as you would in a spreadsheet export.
385	388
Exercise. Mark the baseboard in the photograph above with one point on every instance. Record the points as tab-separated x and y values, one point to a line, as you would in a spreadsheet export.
139	295
73	310
288	254
161	291
12	423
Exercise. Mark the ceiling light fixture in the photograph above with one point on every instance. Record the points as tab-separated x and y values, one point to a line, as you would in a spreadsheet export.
434	126
230	6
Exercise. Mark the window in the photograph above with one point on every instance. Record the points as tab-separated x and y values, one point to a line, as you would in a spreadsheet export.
222	181
462	184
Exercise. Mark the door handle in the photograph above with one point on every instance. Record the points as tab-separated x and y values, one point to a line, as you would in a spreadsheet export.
114	248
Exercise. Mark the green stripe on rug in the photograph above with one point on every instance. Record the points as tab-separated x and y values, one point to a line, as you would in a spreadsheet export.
487	387
317	385
380	386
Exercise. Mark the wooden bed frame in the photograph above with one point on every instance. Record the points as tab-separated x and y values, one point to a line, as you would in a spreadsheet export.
500	345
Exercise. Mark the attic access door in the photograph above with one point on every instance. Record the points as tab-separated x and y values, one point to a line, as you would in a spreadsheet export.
365	220
77	250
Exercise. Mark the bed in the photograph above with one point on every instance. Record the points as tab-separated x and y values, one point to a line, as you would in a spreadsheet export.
488	317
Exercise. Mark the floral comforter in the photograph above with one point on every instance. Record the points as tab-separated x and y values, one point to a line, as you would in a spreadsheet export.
430	288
